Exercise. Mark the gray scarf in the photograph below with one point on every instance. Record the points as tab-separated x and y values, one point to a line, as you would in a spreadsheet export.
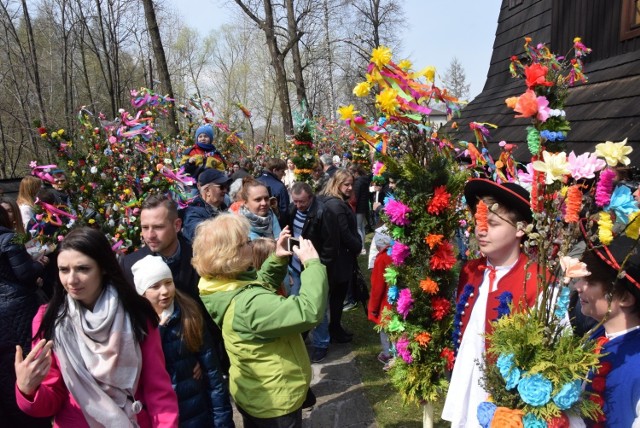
262	226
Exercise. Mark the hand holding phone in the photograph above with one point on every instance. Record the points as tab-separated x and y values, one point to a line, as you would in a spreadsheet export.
292	242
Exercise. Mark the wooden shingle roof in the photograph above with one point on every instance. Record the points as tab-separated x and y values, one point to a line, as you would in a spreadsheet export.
605	108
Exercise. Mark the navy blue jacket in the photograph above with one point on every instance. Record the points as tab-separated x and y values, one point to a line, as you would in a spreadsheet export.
195	213
204	402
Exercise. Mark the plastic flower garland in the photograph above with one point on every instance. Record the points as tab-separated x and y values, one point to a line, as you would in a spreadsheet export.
112	165
421	217
534	365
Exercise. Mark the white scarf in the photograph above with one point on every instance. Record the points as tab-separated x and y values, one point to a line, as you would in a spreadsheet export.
100	360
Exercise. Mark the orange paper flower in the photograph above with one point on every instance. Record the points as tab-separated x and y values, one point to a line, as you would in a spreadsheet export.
573	204
527	104
432	240
429	286
507	418
423	338
439	202
482	217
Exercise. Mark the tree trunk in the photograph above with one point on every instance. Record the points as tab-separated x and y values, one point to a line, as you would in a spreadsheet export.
298	78
34	62
327	40
161	60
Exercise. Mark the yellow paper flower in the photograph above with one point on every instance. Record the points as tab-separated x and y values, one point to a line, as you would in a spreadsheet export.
555	166
405	64
428	72
614	153
374	77
362	89
387	101
347	112
605	228
381	56
633	229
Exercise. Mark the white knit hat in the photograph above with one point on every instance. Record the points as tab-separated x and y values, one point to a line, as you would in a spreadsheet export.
148	271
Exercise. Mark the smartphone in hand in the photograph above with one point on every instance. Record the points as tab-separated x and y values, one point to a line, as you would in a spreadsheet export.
292	242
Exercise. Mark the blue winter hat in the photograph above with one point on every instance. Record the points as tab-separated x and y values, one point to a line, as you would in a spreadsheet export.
206	129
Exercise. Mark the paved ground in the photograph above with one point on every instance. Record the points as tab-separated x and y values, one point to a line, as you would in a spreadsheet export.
341	402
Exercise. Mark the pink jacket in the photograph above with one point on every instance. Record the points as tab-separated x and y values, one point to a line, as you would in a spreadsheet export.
154	390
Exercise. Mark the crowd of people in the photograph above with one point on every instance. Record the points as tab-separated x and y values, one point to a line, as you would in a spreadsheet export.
218	302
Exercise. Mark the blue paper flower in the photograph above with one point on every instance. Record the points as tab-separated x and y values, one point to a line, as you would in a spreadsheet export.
510	373
568	395
563	303
392	294
622	204
532	421
485	413
535	390
553	135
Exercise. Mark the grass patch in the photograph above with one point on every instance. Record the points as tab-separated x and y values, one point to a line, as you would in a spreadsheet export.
387	403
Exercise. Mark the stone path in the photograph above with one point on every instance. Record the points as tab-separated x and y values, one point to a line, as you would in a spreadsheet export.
341	402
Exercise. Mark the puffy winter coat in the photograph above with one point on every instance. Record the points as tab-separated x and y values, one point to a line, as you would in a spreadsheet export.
204	402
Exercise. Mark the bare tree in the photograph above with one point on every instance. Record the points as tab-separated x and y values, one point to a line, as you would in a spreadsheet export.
455	80
161	61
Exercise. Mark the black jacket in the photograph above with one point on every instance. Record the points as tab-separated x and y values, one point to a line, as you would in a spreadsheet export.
362	194
341	222
315	229
204	402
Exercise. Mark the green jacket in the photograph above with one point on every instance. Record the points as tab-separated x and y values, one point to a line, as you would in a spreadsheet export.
270	369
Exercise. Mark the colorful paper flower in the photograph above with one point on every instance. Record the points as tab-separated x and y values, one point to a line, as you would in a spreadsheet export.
535	75
482	217
443	258
529	105
561	421
554	166
585	165
387	101
562	304
390	275
507	418
605	228
362	89
448	355
573	204
423	338
622	203
429	286
604	188
405	302
392	294
532	421
614	153
568	395
533	140
485	413
402	347
433	239
395	325
633	228
399	253
381	56
397	212
535	390
347	112
440	307
439	202
573	268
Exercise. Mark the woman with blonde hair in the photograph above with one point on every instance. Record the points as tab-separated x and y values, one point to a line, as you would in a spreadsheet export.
346	250
26	200
270	369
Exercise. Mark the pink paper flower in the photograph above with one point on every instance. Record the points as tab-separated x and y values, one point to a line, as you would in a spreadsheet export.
573	268
405	302
398	212
585	165
605	187
399	252
402	347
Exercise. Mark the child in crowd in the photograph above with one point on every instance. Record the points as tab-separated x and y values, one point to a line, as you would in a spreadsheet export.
483	284
615	301
203	398
378	299
203	154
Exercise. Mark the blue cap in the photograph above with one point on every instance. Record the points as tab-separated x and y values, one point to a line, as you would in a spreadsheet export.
206	129
212	175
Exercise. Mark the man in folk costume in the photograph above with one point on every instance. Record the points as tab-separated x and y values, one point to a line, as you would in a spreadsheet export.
486	286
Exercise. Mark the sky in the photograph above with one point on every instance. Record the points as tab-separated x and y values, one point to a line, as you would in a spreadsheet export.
435	32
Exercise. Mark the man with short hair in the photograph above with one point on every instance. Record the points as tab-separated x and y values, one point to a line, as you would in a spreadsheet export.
272	178
306	220
212	186
244	169
329	169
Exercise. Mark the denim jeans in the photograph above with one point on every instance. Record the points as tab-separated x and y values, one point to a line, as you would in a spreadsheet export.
320	334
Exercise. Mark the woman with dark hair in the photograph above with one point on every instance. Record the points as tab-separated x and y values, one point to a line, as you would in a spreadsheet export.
257	209
97	358
14	214
347	247
19	275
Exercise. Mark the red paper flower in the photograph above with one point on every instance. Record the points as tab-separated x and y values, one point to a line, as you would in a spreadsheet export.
448	355
441	307
561	421
598	384
439	202
482	216
536	75
604	369
443	258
